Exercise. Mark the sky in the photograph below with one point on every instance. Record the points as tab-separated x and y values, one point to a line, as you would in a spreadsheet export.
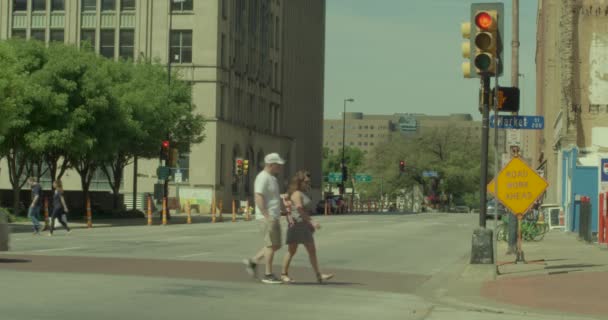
404	56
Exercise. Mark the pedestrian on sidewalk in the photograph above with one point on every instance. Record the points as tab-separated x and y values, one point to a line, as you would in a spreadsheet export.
301	227
34	210
59	207
268	214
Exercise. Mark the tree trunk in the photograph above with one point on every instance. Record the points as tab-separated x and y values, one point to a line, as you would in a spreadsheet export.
16	199
118	165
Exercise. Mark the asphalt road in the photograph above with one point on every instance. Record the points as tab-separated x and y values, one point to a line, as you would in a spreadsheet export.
386	266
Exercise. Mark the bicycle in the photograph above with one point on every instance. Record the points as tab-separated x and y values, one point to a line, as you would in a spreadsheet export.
531	228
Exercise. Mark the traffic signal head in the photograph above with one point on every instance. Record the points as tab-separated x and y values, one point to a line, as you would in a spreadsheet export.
484	48
245	167
506	99
239	166
402	166
164	150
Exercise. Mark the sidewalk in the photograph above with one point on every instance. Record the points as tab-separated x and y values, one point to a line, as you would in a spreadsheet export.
563	278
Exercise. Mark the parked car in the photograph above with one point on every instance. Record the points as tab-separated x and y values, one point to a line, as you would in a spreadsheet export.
4	231
491	210
459	209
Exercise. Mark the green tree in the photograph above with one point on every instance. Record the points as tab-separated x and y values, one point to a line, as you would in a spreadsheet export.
152	111
18	94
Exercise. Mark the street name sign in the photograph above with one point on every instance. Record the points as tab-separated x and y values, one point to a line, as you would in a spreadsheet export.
334	177
518	122
518	186
430	174
363	177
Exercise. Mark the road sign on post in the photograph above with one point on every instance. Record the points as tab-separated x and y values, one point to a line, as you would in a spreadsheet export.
518	122
518	186
363	177
334	177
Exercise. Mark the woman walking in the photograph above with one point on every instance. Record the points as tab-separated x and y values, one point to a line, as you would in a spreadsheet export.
301	226
59	207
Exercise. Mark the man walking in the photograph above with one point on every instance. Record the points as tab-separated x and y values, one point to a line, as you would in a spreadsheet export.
268	214
34	210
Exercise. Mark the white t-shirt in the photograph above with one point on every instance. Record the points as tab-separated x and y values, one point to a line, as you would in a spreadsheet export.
268	186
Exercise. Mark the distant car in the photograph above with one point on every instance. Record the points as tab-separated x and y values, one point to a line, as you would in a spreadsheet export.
460	209
491	210
4	231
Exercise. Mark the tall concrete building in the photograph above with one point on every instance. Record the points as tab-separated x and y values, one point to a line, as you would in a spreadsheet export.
256	69
572	88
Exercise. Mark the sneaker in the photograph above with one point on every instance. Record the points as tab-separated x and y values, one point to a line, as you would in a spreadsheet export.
250	267
286	279
271	279
324	277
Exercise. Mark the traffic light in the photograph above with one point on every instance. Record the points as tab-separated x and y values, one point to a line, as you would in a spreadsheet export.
465	30
487	19
173	156
239	167
401	166
507	99
245	167
164	150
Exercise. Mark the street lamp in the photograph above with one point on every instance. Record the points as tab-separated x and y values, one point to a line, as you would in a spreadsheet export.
344	143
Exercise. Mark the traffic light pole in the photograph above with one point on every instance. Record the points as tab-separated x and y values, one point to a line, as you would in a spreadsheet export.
485	135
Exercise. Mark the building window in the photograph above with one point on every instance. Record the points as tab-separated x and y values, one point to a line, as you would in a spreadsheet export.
371	135
182	6
18	33
19	5
87	38
224	10
127	5
181	46
359	143
183	162
38	34
106	43
222	165
127	40
57	35
276	32
108	5
38	5
57	5
89	5
351	143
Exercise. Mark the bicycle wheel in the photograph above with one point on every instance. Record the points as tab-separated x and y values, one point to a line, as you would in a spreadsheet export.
541	230
501	232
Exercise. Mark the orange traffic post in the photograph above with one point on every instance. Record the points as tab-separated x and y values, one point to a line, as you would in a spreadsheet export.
221	217
233	210
149	210
46	213
164	211
188	213
326	206
213	209
369	206
89	214
248	214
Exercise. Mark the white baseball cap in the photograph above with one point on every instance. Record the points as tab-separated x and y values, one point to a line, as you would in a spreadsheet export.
273	158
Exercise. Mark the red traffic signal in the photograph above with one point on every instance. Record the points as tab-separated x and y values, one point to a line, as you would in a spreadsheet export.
165	144
483	20
239	162
401	165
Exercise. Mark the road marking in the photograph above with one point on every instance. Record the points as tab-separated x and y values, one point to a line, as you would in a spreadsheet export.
194	255
57	249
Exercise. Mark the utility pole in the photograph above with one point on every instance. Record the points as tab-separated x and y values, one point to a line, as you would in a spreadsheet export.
512	236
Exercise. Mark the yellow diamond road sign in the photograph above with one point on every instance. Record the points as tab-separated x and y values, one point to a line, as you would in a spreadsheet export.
518	186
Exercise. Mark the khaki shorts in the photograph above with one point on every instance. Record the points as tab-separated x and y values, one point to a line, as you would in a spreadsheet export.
271	230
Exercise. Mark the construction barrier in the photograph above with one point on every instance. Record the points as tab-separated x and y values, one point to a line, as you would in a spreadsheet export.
149	210
188	213
164	211
221	210
89	214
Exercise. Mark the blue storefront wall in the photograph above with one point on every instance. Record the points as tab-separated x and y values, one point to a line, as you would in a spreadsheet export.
583	183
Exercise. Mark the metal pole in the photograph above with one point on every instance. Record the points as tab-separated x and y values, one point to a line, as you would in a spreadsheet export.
166	184
135	183
485	94
496	186
515	46
343	146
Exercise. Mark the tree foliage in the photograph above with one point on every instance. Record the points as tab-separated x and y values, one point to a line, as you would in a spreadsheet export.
65	108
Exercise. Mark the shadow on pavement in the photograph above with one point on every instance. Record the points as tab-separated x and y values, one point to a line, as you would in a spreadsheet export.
569	266
331	284
14	260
